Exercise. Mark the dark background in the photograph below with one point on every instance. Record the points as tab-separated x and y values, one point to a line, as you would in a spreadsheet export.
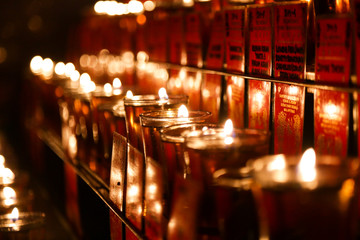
29	28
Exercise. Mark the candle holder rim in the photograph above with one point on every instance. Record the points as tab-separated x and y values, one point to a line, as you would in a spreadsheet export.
158	118
215	138
40	221
165	133
347	167
153	99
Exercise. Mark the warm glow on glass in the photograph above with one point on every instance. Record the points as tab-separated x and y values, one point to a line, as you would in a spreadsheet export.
47	67
2	160
74	76
14	214
332	110
162	93
133	191
158	207
35	64
259	99
99	7
141	19
277	164
293	90
84	60
142	56
228	130
152	189
129	94
108	88
228	127
149	5
121	9
90	86
135	6
307	172
188	3
116	83
60	68
69	68
183	111
8	193
84	79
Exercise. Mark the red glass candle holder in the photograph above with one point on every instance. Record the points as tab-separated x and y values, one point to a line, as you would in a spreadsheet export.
138	104
158	175
306	197
29	225
212	149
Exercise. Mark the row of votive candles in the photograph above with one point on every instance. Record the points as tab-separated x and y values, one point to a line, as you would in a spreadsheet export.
18	220
177	176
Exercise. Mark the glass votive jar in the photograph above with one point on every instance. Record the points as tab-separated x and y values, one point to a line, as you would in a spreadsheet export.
13	197
138	104
172	141
157	174
209	150
236	211
111	118
26	226
308	197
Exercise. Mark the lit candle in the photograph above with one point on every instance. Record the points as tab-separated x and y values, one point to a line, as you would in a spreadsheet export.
151	124
306	197
135	105
22	226
212	149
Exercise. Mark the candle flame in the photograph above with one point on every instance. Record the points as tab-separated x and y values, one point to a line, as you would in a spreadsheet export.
183	111
108	88
277	164
74	76
14	215
60	68
229	127
116	83
69	68
35	64
2	160
162	93
129	94
8	193
307	166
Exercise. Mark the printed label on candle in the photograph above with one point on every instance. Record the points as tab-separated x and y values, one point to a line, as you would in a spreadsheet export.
260	63
357	39
211	95
176	38
134	187
193	39
331	122
235	94
235	40
290	40
118	167
215	54
157	37
260	40
288	118
259	104
185	203
333	50
154	200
